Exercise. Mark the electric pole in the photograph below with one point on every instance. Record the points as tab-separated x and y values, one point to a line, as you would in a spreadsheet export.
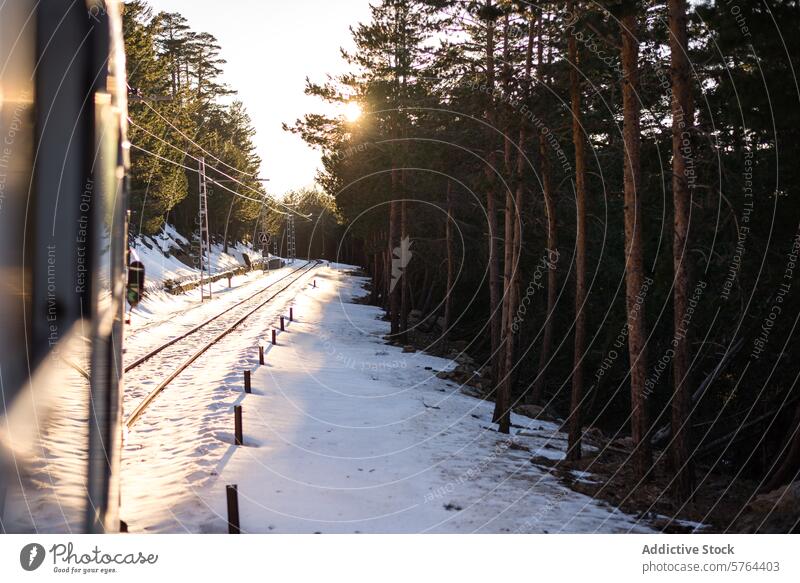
205	236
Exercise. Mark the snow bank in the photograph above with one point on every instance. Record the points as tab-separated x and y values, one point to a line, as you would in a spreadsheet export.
168	257
343	434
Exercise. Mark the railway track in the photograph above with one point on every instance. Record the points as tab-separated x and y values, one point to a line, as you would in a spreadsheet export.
144	328
194	329
205	335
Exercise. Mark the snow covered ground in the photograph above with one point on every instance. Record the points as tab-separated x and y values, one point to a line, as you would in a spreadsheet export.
158	254
186	309
343	433
157	305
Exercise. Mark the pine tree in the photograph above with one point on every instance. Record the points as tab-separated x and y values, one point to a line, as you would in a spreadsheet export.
575	425
634	261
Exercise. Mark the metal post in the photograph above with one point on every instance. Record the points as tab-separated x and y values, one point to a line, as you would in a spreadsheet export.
232	494
237	425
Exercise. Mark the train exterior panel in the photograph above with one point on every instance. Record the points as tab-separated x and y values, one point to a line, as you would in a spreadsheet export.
63	201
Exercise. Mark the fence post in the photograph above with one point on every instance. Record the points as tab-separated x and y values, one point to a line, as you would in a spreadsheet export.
282	326
232	494
237	425
274	337
247	374
260	354
291	314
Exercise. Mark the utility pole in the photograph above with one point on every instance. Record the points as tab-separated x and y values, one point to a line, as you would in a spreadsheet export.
205	236
290	242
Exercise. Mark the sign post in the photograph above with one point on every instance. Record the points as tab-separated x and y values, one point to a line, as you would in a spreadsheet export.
264	239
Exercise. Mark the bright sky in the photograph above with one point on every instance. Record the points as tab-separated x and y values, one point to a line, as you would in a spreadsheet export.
271	46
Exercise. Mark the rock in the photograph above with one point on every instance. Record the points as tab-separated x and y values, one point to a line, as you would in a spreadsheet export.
593	433
481	386
536	412
471	392
459	346
409	348
440	322
774	512
624	442
414	316
464	358
532	411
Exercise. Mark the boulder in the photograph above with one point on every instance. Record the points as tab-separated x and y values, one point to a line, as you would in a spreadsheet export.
471	391
776	512
464	358
459	346
594	434
624	442
532	411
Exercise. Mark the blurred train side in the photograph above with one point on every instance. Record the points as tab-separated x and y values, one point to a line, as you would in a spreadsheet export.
63	161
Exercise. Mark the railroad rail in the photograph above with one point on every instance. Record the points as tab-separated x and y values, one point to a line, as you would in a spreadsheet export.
205	323
150	397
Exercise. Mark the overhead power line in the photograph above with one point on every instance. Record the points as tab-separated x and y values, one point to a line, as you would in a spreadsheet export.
195	158
209	154
264	201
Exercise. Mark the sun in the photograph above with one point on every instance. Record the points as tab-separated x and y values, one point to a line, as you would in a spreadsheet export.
352	111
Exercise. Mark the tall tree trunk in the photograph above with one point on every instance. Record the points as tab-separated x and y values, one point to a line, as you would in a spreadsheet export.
383	256
491	209
575	430
503	396
404	284
537	393
513	230
393	283
508	239
634	262
682	114
372	260
552	270
380	279
448	300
